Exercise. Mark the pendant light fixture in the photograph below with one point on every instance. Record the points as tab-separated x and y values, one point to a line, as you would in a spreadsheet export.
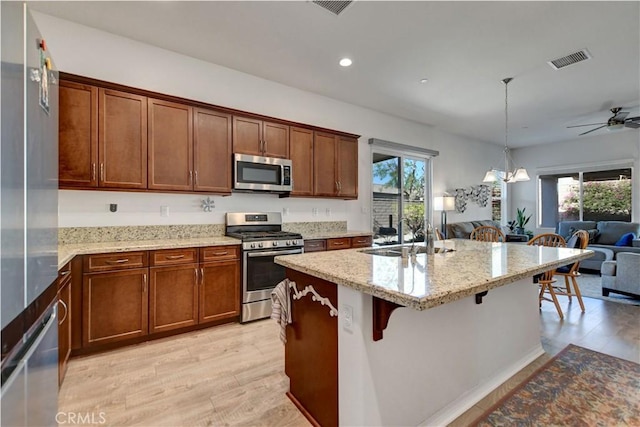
509	175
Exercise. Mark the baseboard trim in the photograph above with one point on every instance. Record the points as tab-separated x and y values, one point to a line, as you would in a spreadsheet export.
459	406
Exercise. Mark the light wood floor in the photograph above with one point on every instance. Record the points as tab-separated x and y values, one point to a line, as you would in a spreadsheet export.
234	374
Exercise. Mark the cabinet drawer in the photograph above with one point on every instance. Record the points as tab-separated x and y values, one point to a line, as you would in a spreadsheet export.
342	243
219	253
315	245
115	261
174	257
361	241
64	275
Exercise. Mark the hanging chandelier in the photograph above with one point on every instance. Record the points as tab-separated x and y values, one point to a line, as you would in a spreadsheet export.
510	173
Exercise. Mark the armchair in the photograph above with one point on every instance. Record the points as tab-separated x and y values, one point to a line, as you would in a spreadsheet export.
622	276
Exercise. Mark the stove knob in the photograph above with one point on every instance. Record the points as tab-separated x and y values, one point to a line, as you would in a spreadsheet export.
260	244
275	243
253	245
294	242
288	243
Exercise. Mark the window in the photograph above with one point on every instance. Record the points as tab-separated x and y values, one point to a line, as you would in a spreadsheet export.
496	200
601	195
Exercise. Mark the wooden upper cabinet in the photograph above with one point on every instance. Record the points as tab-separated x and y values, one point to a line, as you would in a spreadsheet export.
122	139
276	140
347	170
324	164
259	138
212	151
301	154
170	154
78	135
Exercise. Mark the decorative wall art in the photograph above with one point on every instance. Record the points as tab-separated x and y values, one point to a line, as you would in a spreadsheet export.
477	193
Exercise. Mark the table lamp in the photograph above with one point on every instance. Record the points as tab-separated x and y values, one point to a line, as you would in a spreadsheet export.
444	203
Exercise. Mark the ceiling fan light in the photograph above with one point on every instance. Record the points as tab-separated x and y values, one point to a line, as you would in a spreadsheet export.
490	176
615	127
521	175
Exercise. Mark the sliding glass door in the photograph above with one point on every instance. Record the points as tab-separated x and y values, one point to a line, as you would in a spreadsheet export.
400	196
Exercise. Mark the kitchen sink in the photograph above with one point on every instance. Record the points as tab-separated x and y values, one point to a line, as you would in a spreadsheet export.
396	251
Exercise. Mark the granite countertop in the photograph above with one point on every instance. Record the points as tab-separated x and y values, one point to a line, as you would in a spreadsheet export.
335	234
66	252
431	280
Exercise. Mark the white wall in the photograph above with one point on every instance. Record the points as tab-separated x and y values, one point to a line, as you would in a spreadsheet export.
89	52
604	148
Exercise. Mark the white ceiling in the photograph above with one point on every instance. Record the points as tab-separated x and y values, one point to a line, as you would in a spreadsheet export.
465	49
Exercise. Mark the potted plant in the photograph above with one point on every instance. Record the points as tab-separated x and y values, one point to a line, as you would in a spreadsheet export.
521	220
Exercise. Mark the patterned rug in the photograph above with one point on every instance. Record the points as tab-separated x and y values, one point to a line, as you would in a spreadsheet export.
578	387
591	286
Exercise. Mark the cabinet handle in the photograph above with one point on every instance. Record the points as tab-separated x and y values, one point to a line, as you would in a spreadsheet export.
93	171
102	172
117	261
220	253
195	276
174	256
66	311
339	187
195	173
190	177
144	281
201	275
264	146
338	243
64	273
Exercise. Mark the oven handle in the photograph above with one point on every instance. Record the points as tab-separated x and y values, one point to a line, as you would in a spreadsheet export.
269	253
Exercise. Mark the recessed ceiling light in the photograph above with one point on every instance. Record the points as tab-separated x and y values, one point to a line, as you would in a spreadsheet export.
424	80
345	62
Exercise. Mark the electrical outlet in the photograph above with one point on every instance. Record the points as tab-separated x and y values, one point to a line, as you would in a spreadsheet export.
314	211
164	211
328	211
113	207
347	316
285	211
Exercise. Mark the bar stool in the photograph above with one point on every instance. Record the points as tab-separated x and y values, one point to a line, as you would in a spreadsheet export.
487	233
546	280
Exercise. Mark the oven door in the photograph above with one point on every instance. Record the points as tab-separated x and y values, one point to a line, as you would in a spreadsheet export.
260	274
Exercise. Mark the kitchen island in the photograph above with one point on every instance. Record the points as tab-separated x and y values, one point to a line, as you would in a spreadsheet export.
466	320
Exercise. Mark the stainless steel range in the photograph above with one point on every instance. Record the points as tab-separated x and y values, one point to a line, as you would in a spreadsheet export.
262	239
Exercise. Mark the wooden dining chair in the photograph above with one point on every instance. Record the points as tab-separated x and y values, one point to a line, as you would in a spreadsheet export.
570	272
487	233
546	281
439	235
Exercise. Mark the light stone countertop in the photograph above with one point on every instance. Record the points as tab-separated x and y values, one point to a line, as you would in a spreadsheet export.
432	280
335	234
66	252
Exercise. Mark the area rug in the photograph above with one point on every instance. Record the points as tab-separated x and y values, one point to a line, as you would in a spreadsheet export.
591	286
578	387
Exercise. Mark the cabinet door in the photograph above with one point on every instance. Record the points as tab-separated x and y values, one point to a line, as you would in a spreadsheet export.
275	140
324	164
173	297
122	139
170	153
64	327
77	135
247	136
347	160
114	306
212	151
219	291
301	154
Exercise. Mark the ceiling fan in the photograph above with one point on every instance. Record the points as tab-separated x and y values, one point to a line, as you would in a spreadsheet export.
618	120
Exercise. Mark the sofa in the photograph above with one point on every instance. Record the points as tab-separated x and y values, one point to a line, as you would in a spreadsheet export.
603	236
462	230
622	276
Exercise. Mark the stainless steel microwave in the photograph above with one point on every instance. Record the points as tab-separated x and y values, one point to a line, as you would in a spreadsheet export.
261	173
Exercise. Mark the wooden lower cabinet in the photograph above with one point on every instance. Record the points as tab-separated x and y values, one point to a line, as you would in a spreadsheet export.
114	306
173	297
219	291
361	241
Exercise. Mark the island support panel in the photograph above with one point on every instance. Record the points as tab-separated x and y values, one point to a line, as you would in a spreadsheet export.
433	365
311	352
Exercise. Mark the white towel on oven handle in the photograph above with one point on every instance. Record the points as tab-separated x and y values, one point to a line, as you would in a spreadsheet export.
281	307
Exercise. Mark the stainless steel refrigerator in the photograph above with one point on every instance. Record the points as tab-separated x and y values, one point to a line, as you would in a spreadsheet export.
29	220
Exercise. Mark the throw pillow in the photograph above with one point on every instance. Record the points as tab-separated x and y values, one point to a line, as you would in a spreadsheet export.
626	239
593	235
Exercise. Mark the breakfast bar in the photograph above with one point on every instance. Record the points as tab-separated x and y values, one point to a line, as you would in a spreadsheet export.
378	338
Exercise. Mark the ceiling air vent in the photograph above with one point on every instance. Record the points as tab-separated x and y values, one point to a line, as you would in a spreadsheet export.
335	7
579	56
